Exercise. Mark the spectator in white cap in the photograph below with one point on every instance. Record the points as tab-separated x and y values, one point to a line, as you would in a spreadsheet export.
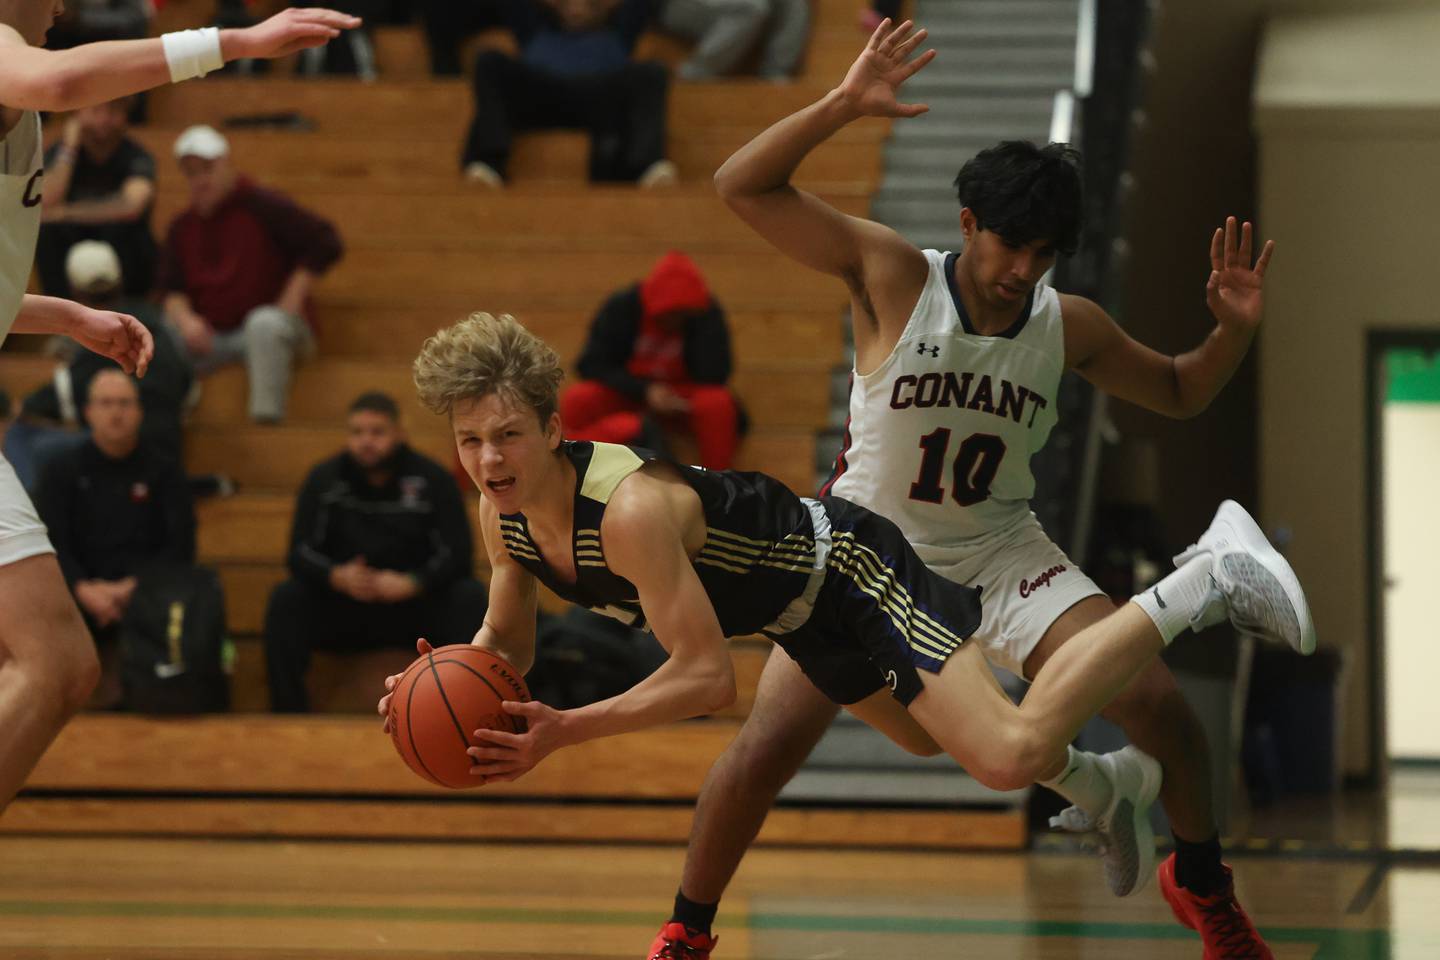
50	419
237	269
99	185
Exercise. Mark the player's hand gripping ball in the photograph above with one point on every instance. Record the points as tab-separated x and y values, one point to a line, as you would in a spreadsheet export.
441	699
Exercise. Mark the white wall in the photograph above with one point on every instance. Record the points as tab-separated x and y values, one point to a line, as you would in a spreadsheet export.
1411	462
1348	114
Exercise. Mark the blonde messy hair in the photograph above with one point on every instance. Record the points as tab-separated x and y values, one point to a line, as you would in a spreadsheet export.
485	354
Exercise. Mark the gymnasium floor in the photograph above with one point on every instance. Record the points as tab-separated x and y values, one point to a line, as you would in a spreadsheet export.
129	899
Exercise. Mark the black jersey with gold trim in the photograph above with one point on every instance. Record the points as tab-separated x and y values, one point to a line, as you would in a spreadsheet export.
758	555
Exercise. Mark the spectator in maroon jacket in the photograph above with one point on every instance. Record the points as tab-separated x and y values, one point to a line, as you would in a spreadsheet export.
237	270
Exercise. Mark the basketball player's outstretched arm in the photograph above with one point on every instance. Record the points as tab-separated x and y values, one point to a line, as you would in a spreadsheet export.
509	627
118	336
35	79
1185	385
643	544
755	182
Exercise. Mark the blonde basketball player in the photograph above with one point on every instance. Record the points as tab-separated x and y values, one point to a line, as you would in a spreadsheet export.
957	361
47	659
696	556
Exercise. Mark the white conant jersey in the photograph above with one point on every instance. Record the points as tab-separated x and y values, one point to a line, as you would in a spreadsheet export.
21	169
941	433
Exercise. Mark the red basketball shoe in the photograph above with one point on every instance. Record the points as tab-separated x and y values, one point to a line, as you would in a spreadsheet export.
676	942
1222	923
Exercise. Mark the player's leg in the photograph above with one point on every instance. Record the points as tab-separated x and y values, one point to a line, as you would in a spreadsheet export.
1156	718
909	617
881	711
786	721
1159	721
788	718
48	665
1079	680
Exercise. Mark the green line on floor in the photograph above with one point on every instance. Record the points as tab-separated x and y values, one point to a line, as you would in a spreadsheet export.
1331	943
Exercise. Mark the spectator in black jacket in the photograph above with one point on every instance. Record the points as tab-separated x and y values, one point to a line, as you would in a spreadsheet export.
380	555
89	21
113	506
659	347
574	70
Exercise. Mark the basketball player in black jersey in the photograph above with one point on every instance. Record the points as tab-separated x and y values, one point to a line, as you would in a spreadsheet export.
696	556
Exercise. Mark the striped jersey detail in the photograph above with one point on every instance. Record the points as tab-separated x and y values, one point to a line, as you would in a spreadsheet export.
517	541
587	548
736	554
863	567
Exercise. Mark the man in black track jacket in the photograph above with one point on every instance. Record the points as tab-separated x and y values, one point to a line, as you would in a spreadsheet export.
380	554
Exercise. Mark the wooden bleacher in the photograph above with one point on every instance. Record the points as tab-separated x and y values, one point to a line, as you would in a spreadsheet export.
423	249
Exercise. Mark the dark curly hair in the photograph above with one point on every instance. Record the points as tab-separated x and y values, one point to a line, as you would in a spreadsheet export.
1025	193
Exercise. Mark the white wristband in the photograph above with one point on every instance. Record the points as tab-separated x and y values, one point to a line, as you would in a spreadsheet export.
192	53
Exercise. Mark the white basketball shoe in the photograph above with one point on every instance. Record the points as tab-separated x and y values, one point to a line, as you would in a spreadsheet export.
1251	583
1122	834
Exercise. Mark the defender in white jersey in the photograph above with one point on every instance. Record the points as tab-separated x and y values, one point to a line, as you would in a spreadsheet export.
47	659
939	440
958	360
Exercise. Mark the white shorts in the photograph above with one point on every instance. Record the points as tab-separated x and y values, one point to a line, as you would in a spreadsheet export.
1026	582
22	534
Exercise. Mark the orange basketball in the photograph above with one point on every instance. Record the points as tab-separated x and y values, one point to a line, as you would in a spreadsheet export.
441	699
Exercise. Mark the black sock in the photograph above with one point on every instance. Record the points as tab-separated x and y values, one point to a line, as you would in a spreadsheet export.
1197	866
697	917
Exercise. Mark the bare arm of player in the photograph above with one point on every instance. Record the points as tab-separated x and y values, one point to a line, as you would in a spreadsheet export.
1182	386
118	336
643	544
755	182
509	627
32	78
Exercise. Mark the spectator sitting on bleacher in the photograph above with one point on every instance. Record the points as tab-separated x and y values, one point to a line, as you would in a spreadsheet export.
237	269
380	555
87	21
726	31
660	346
50	416
99	185
113	506
574	71
447	23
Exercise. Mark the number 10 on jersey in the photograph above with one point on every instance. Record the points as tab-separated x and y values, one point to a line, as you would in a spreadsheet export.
976	464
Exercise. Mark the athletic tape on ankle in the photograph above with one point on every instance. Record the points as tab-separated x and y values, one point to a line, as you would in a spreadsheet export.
192	53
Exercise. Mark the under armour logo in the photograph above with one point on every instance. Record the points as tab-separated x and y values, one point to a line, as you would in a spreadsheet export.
933	351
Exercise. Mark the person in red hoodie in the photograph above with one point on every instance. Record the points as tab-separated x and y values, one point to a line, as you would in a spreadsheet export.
658	347
237	270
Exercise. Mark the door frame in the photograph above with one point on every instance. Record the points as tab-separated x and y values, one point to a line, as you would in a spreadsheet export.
1378	343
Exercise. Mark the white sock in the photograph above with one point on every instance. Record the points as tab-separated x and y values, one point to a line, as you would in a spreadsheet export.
1083	783
1173	601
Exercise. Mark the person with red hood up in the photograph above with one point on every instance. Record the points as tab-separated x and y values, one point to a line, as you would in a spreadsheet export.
658	347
